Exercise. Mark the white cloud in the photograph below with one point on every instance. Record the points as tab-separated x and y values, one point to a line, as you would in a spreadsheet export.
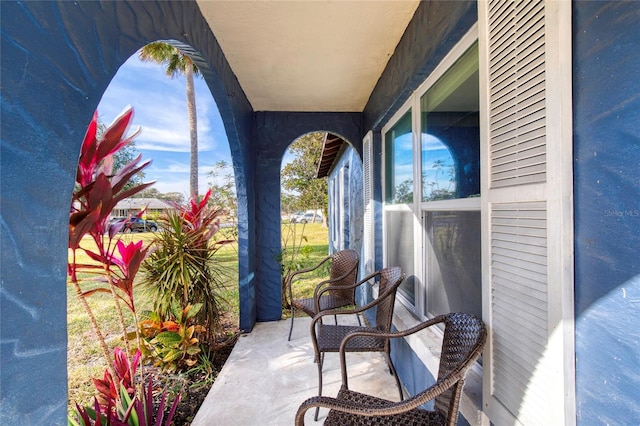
432	143
159	105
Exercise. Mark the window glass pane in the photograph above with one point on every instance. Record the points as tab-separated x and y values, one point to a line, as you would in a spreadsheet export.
400	249
399	162
453	262
450	133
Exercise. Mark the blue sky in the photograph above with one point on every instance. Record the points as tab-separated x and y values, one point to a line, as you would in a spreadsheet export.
160	110
433	149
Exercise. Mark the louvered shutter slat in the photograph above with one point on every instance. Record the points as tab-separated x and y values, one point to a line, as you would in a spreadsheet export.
368	238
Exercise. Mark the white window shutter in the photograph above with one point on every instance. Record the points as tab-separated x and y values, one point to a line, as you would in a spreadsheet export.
368	237
527	211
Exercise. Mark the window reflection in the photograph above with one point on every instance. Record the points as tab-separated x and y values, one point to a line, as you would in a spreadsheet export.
438	170
399	162
450	124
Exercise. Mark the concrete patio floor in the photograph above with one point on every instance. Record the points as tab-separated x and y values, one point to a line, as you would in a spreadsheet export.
266	378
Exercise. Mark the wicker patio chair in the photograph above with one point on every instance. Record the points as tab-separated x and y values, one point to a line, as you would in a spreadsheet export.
336	292
464	338
327	338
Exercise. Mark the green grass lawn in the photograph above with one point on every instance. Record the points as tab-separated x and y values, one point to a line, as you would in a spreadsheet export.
85	360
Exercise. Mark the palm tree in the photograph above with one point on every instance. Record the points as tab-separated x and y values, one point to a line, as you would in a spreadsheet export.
177	62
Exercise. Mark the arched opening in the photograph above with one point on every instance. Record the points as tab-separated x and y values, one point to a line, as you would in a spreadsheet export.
303	211
324	168
57	74
160	110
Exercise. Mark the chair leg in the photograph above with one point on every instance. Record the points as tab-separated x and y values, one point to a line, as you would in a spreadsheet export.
291	327
359	322
393	372
320	362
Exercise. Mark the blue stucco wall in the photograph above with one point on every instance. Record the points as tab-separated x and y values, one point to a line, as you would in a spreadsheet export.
606	105
353	209
274	132
435	28
57	59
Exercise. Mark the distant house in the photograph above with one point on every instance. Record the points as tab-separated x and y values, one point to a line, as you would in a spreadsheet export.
153	207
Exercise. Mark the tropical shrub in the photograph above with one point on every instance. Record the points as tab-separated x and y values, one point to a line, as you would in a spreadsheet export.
172	344
181	270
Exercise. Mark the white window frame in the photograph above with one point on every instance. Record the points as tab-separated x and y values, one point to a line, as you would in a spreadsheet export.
398	207
418	207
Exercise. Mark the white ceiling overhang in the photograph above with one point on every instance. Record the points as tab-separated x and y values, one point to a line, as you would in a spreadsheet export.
308	55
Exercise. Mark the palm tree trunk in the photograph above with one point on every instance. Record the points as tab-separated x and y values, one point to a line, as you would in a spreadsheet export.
193	130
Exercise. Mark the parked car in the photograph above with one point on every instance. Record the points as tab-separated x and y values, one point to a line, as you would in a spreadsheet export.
136	224
294	217
309	217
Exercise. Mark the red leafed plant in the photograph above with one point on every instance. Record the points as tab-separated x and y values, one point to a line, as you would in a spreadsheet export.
98	190
119	403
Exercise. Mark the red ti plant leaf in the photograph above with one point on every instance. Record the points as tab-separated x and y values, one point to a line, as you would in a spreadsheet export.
106	388
124	370
80	224
122	176
112	138
194	214
87	162
128	259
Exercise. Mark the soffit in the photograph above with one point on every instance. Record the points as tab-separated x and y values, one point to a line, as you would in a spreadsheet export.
308	55
331	147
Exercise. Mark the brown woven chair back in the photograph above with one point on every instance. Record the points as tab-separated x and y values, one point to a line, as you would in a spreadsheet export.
342	263
390	279
464	338
462	335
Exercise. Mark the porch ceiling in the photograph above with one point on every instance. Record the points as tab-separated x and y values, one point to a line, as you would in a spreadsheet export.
308	55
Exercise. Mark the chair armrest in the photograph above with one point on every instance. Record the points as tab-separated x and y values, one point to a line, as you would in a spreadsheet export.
381	334
456	375
319	288
352	408
304	271
347	287
291	277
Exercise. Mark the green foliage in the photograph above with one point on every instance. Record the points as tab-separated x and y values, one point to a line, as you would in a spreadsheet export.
299	176
223	188
404	193
174	197
171	343
292	255
434	192
222	184
182	268
174	60
204	369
